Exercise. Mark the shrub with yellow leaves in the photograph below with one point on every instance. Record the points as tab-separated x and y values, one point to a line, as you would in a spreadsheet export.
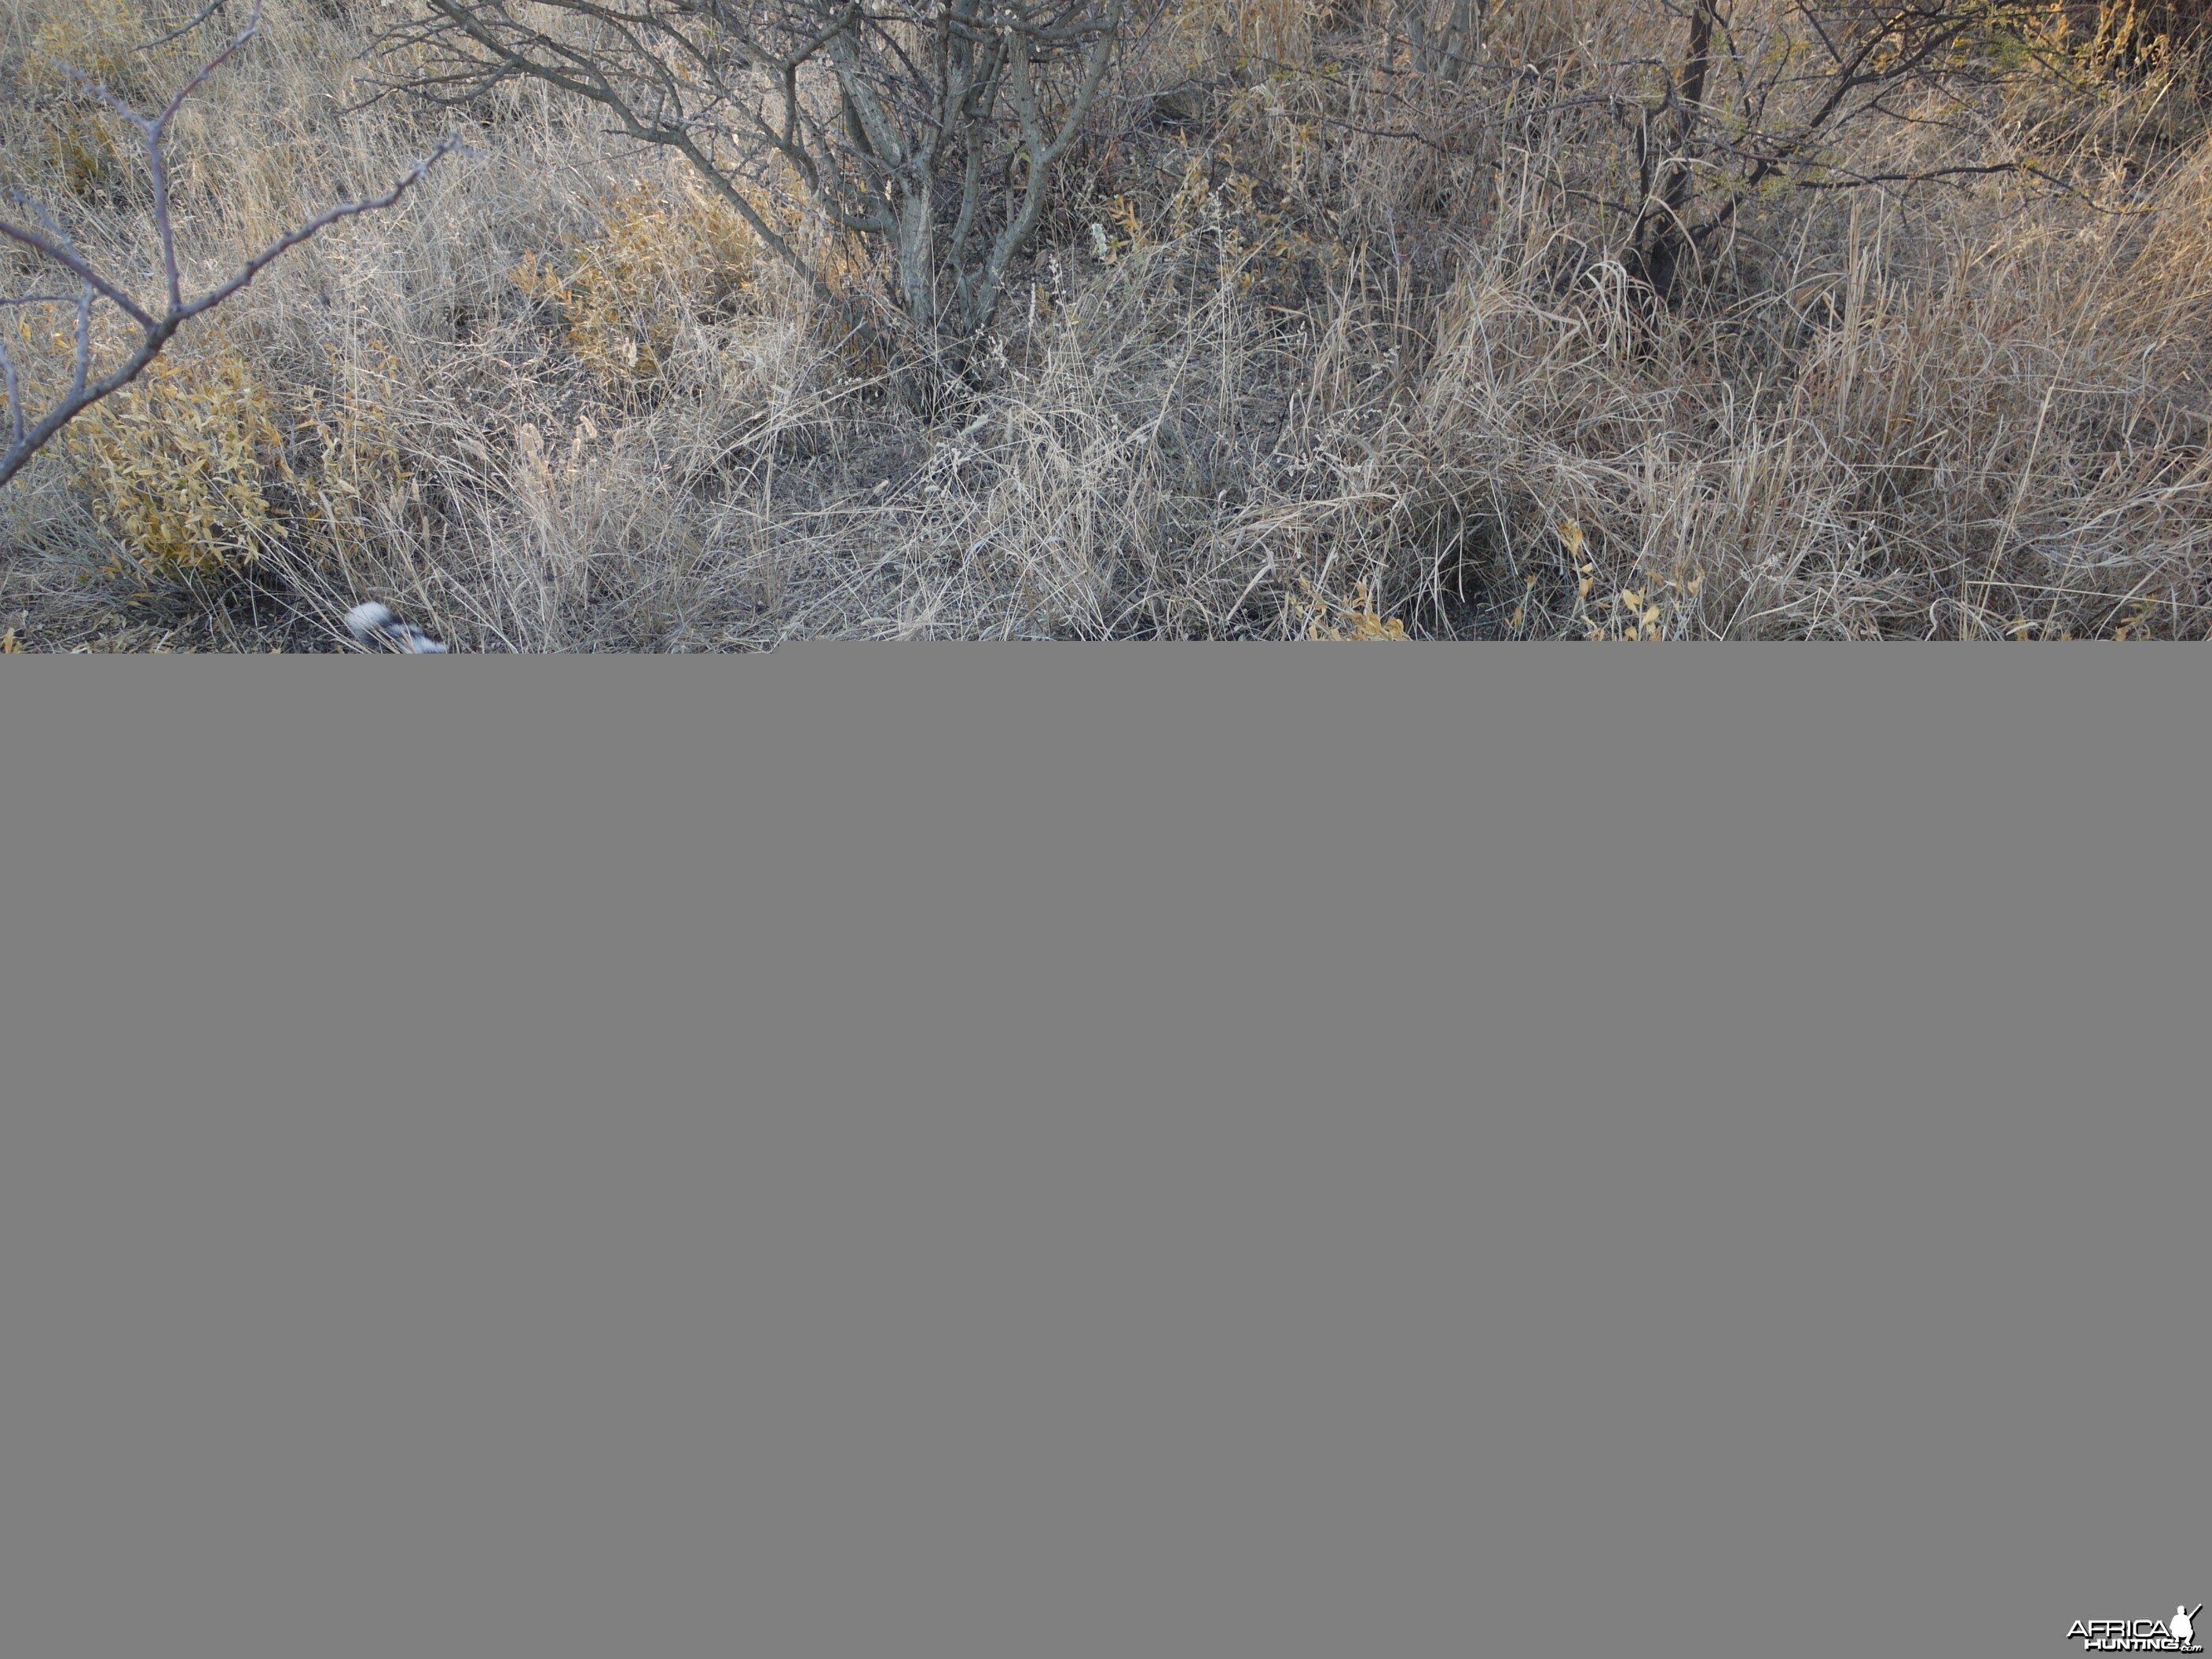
202	465
107	42
1325	619
104	40
179	462
1257	252
655	264
2138	625
1657	607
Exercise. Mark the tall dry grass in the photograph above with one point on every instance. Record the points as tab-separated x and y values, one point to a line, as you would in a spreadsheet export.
1310	349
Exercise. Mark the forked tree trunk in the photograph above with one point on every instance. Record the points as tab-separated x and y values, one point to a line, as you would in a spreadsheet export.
1449	48
1662	242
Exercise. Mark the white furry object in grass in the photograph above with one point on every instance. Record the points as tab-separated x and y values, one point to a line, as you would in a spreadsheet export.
373	624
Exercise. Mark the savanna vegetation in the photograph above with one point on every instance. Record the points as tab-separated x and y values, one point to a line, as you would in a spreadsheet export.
705	324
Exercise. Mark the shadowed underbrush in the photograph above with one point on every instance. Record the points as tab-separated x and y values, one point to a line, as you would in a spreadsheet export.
1312	344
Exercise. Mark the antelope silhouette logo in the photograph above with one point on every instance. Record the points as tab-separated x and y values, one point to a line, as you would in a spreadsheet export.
2174	1635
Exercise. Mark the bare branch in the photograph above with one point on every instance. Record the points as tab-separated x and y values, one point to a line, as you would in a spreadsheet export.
155	325
179	33
321	222
61	254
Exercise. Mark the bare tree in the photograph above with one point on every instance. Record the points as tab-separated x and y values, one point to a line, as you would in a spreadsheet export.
931	128
1753	105
157	320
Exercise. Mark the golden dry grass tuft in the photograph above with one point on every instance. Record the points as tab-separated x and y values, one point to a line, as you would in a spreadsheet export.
1310	348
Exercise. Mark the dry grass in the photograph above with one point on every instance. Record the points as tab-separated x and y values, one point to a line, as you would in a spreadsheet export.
1276	373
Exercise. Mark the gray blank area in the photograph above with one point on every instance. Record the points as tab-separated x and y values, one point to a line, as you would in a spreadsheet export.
864	1224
